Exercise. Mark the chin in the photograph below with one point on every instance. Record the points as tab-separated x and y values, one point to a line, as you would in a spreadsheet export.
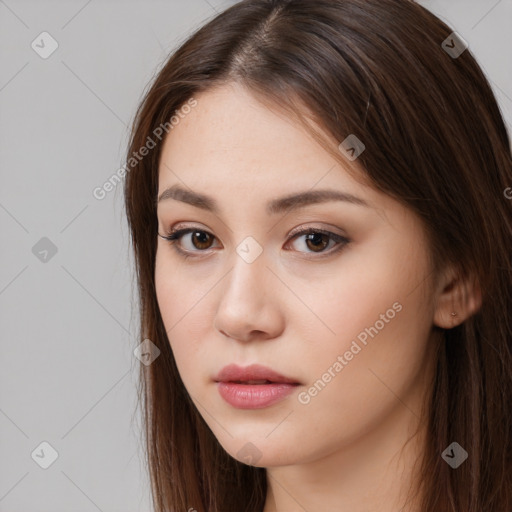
256	450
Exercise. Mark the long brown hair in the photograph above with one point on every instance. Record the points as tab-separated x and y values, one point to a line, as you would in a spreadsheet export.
435	140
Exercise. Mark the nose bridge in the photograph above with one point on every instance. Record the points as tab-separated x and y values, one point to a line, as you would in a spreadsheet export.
249	269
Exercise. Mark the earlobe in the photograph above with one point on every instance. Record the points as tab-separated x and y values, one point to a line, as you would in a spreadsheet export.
458	298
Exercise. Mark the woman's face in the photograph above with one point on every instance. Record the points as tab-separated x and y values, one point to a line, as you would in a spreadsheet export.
346	316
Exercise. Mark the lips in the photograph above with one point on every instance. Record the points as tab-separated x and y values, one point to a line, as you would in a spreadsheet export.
252	375
253	387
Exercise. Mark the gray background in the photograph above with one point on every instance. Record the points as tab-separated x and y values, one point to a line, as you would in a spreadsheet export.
68	373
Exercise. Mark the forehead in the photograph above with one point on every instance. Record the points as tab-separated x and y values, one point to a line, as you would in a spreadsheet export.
230	136
228	123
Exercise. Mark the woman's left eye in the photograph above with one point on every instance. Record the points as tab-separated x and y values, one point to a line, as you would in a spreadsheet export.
317	240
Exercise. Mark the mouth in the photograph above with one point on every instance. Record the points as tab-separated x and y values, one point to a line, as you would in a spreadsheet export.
253	387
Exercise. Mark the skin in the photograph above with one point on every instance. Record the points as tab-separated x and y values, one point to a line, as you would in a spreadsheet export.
299	306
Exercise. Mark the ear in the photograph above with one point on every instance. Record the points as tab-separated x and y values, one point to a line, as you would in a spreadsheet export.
456	294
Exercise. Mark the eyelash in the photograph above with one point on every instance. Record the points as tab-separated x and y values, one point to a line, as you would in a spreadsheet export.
175	235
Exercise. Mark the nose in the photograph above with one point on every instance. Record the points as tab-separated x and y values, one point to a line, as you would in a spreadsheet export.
250	307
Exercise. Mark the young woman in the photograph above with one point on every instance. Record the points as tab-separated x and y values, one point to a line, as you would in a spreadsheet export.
319	197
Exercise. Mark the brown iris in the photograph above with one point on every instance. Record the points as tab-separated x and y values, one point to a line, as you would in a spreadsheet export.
202	236
316	238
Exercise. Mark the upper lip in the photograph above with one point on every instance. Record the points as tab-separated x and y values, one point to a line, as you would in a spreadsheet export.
234	373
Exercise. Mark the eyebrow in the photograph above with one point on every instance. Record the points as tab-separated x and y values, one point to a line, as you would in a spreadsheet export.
276	206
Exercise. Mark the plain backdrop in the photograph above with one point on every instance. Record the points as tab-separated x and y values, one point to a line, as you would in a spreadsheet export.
68	373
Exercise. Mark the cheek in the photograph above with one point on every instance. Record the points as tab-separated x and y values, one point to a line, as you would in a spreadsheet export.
177	293
360	388
378	321
178	302
352	297
185	300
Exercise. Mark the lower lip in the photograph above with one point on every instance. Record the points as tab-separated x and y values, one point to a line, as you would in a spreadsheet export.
254	396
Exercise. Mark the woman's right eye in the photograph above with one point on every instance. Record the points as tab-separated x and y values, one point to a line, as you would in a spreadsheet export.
201	240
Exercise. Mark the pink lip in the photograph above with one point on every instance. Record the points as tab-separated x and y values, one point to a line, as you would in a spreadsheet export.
232	386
